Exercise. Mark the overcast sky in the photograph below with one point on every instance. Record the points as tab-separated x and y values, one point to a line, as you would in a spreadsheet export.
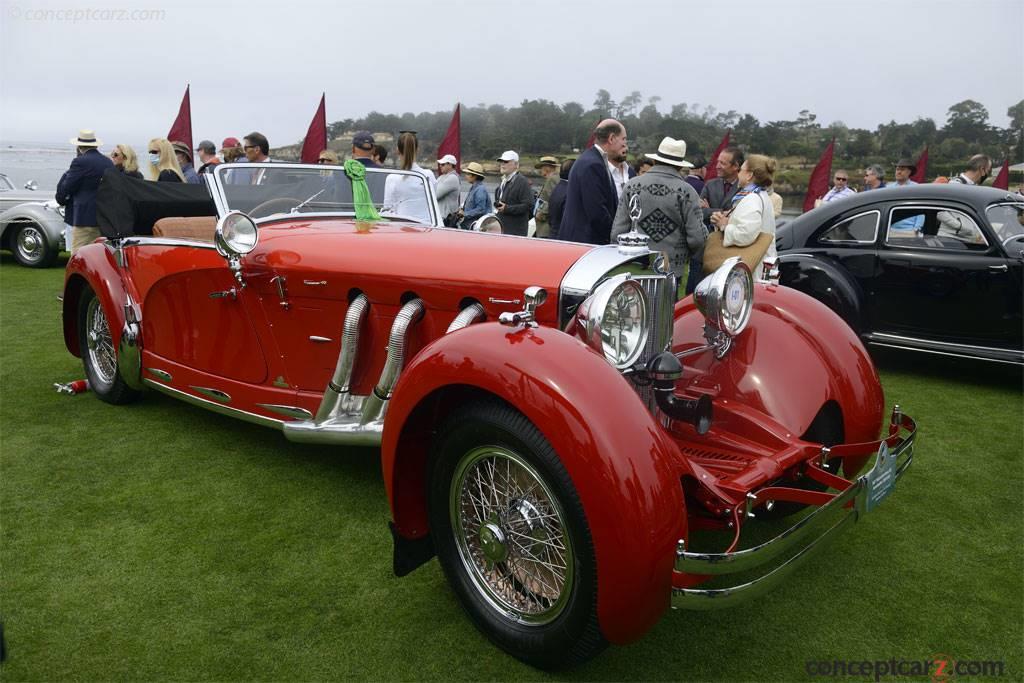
258	65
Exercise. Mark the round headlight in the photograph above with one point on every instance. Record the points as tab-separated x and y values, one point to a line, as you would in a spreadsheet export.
726	297
236	234
614	320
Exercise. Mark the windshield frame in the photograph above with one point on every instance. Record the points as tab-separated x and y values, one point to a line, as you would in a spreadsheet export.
216	185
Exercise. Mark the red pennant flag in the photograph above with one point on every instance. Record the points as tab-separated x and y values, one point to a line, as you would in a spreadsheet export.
181	130
818	184
316	136
712	169
1002	180
452	142
922	167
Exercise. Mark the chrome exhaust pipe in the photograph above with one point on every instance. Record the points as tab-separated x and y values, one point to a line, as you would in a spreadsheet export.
376	403
357	420
466	317
337	396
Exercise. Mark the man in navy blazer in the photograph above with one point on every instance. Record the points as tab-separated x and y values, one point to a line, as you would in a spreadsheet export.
591	197
77	189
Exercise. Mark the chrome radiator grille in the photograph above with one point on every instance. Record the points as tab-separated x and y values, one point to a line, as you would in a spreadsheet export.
661	293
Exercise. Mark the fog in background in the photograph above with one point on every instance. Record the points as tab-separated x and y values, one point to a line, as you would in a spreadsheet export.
121	67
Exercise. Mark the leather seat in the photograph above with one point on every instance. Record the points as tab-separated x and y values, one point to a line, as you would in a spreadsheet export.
201	228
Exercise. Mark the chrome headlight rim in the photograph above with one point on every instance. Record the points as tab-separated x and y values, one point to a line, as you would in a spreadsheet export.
726	297
593	320
236	234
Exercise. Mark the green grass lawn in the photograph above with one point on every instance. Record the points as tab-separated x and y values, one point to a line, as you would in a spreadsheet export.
159	541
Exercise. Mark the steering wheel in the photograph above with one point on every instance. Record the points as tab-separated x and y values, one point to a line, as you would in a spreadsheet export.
272	206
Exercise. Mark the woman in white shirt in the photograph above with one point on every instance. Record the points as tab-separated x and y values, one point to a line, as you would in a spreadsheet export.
404	195
752	212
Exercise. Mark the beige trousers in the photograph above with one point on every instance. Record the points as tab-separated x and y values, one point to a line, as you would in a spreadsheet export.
83	235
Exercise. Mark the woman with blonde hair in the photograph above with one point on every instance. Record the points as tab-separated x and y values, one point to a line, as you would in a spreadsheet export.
125	160
404	196
163	163
752	212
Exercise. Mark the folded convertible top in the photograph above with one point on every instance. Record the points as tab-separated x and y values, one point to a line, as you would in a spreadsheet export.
128	206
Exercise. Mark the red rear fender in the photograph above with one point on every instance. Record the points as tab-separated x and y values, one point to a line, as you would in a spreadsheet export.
626	470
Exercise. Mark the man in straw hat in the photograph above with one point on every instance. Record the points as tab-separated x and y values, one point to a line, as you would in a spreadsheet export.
670	207
478	202
78	186
548	167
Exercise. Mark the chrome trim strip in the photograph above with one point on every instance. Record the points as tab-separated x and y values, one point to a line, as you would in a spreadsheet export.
160	374
287	411
319	340
215	407
215	394
147	241
873	336
947	353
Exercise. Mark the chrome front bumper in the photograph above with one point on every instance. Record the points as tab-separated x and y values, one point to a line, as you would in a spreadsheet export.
895	453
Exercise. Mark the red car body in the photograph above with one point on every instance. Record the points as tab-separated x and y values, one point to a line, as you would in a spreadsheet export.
645	480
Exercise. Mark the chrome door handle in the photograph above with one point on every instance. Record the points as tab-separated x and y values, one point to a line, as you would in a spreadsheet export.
228	293
1002	267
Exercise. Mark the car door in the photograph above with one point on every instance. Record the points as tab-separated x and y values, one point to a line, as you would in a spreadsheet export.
193	309
939	276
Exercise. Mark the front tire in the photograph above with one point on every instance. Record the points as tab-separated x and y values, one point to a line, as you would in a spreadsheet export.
31	248
512	538
99	357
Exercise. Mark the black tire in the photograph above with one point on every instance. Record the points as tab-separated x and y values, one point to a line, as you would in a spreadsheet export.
31	248
99	357
826	429
521	560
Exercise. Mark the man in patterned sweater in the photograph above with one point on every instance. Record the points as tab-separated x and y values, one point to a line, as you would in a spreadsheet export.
670	208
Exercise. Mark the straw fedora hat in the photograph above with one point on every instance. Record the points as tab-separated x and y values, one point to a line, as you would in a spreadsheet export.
86	138
474	168
671	151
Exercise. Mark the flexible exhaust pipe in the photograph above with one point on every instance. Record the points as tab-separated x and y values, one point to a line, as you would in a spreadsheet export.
376	403
337	395
466	317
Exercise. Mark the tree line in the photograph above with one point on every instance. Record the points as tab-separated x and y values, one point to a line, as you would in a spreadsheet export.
538	127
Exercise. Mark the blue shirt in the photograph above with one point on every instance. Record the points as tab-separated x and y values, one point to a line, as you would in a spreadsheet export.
895	184
477	204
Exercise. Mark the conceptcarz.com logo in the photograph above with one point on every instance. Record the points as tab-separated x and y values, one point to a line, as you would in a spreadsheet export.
938	668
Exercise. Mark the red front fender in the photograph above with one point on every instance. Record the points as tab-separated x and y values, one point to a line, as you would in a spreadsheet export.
795	355
93	265
625	469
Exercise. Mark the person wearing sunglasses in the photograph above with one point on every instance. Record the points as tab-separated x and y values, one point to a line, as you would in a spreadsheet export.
840	187
125	160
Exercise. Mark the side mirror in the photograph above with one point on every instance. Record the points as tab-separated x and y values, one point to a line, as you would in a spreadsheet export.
31	185
235	237
487	223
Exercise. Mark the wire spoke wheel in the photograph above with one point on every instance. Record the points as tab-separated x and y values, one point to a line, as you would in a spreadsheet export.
100	343
511	536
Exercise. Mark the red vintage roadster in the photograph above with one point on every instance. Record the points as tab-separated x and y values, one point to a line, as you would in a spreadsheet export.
579	449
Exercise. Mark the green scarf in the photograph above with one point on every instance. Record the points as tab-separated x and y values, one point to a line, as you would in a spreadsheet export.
361	199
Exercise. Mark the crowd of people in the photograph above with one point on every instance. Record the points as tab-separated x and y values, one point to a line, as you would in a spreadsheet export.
581	200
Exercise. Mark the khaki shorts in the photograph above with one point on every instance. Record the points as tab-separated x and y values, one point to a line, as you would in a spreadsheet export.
81	236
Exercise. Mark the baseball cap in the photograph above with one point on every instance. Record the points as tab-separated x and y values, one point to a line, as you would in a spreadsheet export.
447	159
363	140
229	143
508	155
206	146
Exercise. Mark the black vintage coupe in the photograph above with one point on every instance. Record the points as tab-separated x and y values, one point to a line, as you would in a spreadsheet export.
933	268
